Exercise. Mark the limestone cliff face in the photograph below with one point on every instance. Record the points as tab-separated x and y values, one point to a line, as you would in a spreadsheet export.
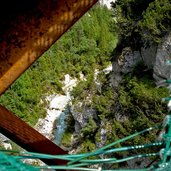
81	114
154	57
160	69
124	63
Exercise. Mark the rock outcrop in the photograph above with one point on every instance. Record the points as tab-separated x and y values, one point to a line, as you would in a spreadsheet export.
161	69
82	111
57	107
81	114
124	64
154	56
5	142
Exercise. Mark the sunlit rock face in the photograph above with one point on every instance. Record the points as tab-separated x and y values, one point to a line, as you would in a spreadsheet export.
107	3
5	142
156	56
57	105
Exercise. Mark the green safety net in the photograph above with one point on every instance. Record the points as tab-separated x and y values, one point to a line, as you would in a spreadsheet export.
83	161
12	164
12	160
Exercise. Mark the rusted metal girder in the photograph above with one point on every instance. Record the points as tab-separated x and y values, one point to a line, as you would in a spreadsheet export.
27	137
28	28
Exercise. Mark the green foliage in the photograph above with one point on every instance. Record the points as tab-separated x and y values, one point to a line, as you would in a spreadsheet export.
139	106
89	43
67	139
98	136
156	20
87	146
115	131
139	20
23	98
104	103
140	97
84	89
90	128
140	102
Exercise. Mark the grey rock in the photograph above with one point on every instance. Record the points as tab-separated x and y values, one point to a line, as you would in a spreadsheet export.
5	142
149	55
103	136
154	57
3	138
124	64
81	114
131	59
115	75
162	70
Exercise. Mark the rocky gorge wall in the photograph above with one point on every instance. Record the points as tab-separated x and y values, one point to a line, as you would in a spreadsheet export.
154	56
126	100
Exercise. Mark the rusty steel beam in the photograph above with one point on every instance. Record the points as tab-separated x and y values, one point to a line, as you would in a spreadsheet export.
28	28
27	137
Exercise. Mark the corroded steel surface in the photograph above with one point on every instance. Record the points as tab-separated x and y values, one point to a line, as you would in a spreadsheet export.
27	137
28	28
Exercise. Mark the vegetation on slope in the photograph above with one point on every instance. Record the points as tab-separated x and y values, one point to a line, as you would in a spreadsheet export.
88	45
137	103
136	106
139	21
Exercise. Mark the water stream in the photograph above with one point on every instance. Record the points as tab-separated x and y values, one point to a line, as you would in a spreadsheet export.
60	127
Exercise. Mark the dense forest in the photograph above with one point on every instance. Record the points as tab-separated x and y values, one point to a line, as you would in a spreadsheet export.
92	44
85	47
136	103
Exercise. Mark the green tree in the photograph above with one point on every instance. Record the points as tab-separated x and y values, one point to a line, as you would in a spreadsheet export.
137	21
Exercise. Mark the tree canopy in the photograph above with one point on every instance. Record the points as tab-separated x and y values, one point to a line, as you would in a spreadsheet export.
83	48
137	21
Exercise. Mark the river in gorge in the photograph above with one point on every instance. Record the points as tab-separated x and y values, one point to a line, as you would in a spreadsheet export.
53	125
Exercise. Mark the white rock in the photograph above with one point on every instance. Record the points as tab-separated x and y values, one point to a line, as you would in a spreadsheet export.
57	103
108	69
7	146
107	3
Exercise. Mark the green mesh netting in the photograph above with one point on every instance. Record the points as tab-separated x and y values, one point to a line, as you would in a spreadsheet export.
13	162
83	161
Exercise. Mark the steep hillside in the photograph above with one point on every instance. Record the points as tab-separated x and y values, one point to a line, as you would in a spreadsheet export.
133	37
86	46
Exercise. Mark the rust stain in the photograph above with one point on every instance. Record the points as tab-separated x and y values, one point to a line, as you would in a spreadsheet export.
31	31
